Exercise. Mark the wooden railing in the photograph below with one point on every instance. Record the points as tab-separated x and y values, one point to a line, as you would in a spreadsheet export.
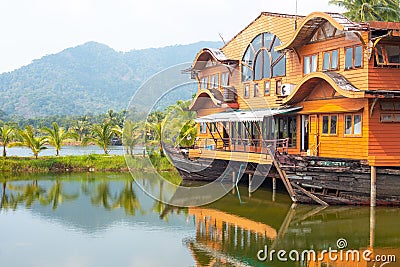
242	145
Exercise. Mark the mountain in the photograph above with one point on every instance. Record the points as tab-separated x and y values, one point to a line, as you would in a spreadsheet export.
89	78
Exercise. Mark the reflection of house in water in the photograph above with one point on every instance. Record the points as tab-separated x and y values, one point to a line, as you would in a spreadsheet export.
217	232
228	235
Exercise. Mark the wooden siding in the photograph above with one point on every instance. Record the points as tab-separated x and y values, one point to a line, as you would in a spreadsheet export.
349	147
384	140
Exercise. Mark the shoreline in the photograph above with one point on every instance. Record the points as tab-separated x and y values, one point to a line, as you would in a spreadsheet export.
70	164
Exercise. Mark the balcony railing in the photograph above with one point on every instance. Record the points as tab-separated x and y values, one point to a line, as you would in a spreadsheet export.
242	145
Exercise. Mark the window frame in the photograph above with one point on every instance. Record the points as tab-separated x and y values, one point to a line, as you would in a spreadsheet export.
384	54
329	133
246	90
352	134
311	56
353	58
269	87
330	67
202	128
278	86
256	90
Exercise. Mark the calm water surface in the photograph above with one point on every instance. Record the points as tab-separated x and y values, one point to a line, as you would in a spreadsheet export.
107	220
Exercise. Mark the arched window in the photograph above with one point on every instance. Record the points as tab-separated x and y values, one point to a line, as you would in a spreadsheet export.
260	60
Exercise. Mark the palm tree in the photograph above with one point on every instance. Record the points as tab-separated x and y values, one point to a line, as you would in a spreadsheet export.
132	133
101	135
155	129
82	127
56	136
27	138
6	135
369	10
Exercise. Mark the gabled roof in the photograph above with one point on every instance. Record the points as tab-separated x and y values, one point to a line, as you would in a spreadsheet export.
270	14
313	21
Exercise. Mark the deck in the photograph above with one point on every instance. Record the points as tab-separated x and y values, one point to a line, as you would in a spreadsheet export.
259	158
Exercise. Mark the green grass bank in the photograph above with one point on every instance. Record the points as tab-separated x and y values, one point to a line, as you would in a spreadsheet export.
85	163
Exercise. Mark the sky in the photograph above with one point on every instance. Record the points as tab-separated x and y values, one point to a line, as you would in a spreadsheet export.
31	29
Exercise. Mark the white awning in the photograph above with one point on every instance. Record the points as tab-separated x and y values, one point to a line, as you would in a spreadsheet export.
243	116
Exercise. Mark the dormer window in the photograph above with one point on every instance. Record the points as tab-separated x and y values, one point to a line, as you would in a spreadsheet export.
261	61
387	54
325	31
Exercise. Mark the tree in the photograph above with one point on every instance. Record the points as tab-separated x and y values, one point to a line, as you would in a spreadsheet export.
101	135
155	128
369	10
56	136
6	135
82	127
132	134
27	138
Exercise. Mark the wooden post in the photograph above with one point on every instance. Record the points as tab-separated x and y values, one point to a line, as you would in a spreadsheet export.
372	228
250	182
373	186
273	189
233	182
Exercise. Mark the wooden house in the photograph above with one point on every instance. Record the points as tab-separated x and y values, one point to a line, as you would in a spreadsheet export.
331	85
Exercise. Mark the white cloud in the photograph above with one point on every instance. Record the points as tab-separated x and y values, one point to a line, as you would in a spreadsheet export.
32	29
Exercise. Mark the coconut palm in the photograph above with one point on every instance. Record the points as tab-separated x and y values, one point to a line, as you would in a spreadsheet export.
132	134
369	10
56	136
101	135
155	129
82	127
6	135
27	138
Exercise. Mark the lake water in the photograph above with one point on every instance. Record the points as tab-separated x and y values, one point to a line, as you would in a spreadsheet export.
107	220
69	150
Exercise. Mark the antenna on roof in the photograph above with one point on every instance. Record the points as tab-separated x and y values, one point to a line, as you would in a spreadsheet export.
220	35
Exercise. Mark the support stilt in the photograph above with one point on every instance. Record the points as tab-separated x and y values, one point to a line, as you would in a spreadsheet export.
234	182
373	186
372	228
250	183
273	189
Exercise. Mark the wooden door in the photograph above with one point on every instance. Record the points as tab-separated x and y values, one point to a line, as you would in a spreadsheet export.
313	140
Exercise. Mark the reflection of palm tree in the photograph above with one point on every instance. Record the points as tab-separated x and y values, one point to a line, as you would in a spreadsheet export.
27	193
158	205
127	199
102	196
56	196
10	200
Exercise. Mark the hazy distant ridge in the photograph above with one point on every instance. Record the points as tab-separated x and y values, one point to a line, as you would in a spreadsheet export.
88	78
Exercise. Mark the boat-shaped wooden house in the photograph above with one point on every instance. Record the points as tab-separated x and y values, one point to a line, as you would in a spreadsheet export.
332	87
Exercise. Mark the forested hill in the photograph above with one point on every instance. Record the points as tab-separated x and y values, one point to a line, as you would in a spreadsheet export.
90	78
